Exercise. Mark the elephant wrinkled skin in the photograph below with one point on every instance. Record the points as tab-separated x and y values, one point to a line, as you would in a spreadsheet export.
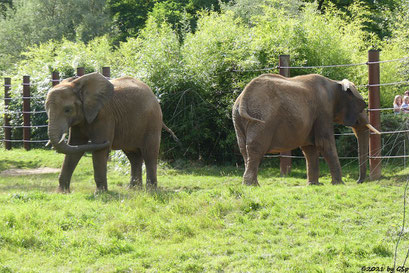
275	114
101	115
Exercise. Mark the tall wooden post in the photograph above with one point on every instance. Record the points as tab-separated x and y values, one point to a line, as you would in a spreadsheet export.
285	162
80	71
26	112
374	116
7	129
106	71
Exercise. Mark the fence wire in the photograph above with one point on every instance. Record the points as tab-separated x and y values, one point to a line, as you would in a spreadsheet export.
322	66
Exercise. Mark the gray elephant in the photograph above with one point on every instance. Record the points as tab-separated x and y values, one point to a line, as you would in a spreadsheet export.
101	115
275	114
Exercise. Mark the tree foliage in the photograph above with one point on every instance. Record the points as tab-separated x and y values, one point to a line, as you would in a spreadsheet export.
36	21
130	15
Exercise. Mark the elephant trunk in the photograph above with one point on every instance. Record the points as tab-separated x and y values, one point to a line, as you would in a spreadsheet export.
362	135
362	132
57	138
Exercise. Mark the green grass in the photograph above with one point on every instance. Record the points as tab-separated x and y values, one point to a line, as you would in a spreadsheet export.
200	220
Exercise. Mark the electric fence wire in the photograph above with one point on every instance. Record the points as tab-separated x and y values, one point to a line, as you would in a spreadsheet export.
321	66
402	231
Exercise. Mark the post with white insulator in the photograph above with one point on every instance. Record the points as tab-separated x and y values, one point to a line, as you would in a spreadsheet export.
55	78
285	160
374	116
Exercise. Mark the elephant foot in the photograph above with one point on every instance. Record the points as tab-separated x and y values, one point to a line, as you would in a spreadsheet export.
337	182
63	190
314	183
360	180
151	188
135	183
133	186
251	183
101	190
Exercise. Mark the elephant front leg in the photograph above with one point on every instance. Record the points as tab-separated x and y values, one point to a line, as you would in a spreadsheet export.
330	154
312	158
99	160
68	167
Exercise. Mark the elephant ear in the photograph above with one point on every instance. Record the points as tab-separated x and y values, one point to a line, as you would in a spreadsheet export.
353	102
94	91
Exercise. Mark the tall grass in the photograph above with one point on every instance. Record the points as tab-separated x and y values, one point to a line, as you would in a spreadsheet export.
200	220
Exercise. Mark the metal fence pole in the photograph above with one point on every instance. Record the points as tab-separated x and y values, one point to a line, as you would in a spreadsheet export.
7	129
80	71
374	116
26	112
106	71
285	162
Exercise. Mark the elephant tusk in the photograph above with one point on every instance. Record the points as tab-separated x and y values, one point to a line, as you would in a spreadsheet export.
48	143
370	127
62	138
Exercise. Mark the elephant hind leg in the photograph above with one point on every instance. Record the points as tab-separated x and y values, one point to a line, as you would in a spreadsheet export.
312	159
150	155
136	160
255	155
241	141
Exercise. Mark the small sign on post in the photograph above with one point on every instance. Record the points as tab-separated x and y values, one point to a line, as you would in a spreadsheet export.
80	71
106	71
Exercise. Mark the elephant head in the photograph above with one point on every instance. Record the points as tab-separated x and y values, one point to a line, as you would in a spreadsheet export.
350	111
73	102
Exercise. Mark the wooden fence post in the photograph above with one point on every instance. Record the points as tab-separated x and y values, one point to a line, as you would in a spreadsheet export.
106	71
7	129
80	71
285	162
26	112
374	116
55	78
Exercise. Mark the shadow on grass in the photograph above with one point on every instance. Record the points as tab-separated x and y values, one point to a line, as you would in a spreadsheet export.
161	195
7	164
21	185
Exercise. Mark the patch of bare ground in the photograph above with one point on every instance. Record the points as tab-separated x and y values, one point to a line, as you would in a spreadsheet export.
18	172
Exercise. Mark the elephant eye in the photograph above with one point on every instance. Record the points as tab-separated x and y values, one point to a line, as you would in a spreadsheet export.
67	110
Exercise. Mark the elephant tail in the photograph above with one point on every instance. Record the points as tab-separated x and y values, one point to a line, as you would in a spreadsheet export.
167	129
243	112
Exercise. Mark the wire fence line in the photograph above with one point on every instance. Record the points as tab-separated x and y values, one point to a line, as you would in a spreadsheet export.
340	157
263	69
23	112
23	98
25	141
322	66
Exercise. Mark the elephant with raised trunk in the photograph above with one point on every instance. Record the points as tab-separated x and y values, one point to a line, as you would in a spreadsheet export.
101	115
275	114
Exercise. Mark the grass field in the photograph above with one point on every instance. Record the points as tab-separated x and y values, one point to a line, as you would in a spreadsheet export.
200	220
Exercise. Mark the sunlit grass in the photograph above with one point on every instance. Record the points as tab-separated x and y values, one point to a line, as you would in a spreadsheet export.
200	220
